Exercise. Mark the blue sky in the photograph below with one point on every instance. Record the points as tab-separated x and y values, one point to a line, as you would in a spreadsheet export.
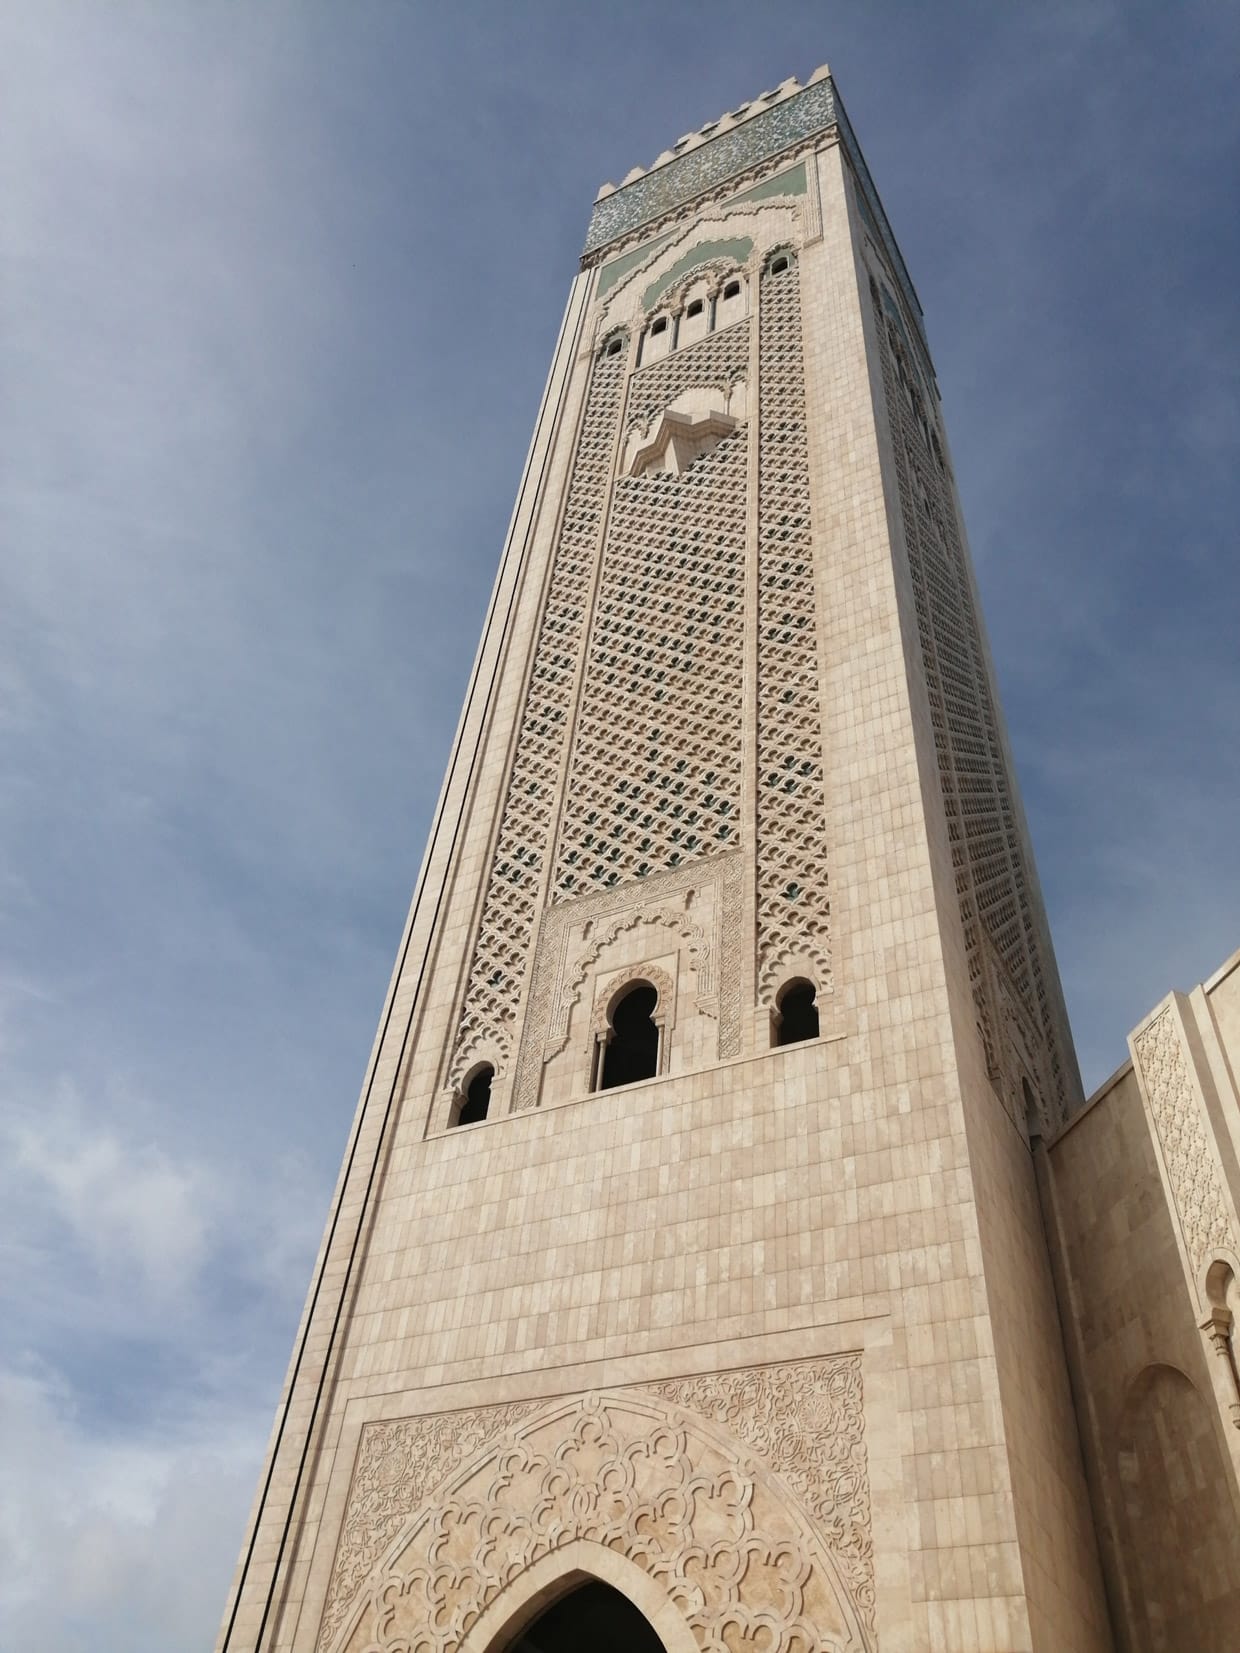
281	285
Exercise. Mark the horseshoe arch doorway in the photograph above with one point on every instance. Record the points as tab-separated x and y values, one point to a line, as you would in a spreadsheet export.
593	1616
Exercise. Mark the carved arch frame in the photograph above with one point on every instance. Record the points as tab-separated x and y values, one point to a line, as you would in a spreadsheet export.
615	987
701	959
782	968
677	1494
577	1563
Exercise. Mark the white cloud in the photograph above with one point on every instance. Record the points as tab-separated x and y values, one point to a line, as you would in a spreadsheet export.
128	1206
114	1543
149	1296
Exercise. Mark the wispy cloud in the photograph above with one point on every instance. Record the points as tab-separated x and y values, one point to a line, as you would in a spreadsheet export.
118	1540
137	1291
128	1208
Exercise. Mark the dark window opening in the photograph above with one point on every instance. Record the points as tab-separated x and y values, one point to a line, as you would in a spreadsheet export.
659	326
798	1014
613	349
779	265
695	309
477	1098
594	1616
632	1052
732	290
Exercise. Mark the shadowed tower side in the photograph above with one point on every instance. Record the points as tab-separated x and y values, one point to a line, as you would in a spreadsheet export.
687	1244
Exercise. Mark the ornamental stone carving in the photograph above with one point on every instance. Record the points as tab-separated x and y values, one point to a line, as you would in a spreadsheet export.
666	188
397	1465
510	905
1187	1151
794	909
667	918
700	902
665	1476
805	1420
664	1013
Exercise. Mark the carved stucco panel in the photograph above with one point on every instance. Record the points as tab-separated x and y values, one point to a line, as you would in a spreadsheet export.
398	1463
744	1495
805	1419
1187	1151
664	1014
564	954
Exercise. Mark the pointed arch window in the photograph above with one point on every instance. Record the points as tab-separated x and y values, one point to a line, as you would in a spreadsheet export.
593	1615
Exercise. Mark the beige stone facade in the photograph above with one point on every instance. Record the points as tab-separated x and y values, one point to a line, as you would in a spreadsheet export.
768	1338
1140	1191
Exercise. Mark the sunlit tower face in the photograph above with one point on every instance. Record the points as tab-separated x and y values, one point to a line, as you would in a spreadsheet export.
694	1154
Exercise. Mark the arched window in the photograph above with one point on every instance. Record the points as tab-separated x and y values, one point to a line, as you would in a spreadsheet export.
796	1013
732	290
594	1616
477	1098
780	264
632	1050
615	346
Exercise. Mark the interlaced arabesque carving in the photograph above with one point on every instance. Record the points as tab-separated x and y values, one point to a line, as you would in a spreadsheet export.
661	918
793	901
991	881
806	1420
692	1508
397	1465
655	775
498	965
1189	1156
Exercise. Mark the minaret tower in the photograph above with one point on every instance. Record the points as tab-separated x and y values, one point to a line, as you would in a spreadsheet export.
685	1286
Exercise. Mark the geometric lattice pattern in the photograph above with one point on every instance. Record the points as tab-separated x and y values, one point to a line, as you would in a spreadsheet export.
501	953
716	362
656	768
793	902
1187	1152
991	881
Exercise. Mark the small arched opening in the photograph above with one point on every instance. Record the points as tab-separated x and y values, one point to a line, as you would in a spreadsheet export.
629	1050
796	1013
593	1616
1182	1550
476	1097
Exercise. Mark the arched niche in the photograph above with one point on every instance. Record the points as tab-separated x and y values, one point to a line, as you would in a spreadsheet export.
521	1605
1182	1534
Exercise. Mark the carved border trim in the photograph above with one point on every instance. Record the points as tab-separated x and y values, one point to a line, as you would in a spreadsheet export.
1187	1150
551	966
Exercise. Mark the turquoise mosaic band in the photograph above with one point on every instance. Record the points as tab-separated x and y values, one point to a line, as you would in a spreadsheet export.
815	109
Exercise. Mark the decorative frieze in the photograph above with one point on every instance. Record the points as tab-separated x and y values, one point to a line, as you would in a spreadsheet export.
1188	1154
744	1495
722	157
501	952
793	898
